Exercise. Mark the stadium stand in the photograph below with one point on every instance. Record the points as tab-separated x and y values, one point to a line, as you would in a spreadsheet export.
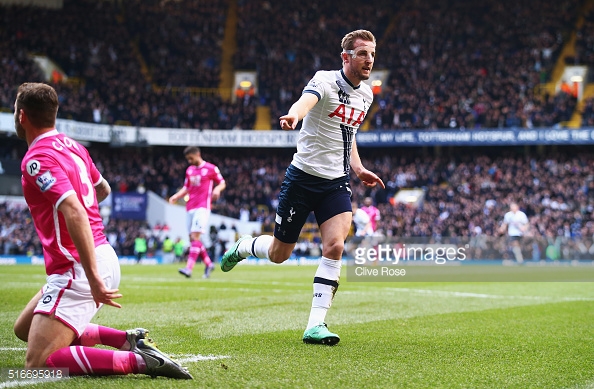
158	64
458	65
466	193
103	61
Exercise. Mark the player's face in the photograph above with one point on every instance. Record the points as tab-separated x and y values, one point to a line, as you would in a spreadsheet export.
193	159
20	130
361	59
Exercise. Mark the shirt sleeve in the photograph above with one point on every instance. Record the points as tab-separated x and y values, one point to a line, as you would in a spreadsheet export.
96	176
187	180
317	86
217	176
47	175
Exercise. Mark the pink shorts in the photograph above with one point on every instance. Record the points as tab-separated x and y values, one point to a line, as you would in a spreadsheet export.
68	295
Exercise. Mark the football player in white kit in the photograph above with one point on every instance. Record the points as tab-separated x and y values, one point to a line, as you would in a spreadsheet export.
333	105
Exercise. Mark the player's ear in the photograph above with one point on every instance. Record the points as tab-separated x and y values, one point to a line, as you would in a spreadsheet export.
23	116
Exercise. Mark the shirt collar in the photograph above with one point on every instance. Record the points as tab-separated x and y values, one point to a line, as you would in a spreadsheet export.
44	135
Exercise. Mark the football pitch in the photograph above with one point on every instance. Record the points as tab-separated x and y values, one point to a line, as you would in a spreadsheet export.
243	329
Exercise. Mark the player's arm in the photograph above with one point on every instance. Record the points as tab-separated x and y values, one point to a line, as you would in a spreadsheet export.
79	229
368	178
178	195
525	225
504	225
103	190
216	191
298	111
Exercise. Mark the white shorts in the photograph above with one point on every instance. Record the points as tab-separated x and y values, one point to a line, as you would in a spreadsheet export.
197	220
68	295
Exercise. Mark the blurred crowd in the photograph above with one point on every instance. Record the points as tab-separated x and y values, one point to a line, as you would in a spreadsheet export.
141	63
466	193
461	65
458	65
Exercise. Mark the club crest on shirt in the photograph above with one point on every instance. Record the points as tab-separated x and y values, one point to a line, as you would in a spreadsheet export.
45	181
313	83
343	97
33	167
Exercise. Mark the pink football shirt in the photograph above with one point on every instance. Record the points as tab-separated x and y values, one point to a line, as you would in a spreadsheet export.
199	182
374	215
54	168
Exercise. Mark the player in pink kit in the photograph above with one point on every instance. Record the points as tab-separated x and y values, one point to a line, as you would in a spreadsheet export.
199	184
372	212
63	187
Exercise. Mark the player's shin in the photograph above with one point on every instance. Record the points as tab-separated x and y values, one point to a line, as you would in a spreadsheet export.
257	247
324	287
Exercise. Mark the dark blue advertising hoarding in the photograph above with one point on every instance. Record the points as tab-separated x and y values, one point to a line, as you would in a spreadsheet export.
130	206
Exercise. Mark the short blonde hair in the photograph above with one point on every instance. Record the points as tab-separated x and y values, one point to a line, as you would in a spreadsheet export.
348	42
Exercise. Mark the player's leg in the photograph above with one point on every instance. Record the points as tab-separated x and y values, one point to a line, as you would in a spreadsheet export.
326	279
516	249
295	202
92	335
64	313
64	310
194	226
203	214
23	322
48	346
95	334
335	217
47	335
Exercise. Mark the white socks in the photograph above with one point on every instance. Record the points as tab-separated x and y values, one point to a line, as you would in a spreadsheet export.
324	287
257	247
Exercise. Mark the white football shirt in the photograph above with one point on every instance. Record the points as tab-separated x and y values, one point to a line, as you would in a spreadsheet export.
515	221
328	130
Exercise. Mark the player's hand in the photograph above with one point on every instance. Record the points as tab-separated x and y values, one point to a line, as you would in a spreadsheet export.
215	195
102	295
172	200
289	121
370	179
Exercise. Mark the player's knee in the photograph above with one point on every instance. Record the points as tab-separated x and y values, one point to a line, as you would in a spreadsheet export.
35	361
278	256
20	332
333	249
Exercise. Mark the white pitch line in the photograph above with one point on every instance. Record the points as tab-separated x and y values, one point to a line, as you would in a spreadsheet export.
190	358
13	349
467	294
14	384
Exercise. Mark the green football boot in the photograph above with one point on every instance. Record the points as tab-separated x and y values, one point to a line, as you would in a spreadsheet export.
320	335
231	257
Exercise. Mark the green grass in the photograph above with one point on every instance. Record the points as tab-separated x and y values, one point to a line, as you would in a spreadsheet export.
405	335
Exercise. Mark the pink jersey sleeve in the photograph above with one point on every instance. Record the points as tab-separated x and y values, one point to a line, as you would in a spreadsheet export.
187	178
